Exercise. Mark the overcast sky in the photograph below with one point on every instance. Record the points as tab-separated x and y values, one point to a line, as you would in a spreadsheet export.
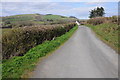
76	8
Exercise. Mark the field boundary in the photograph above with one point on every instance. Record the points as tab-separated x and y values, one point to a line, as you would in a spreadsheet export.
19	65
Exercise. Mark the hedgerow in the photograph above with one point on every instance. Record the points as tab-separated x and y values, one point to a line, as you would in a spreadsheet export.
17	42
15	67
100	20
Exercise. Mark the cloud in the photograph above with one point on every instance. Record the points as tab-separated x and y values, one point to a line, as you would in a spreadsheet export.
25	0
59	0
13	8
90	0
80	10
94	3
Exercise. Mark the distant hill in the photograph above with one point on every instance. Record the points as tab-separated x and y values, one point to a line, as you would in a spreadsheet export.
34	19
73	17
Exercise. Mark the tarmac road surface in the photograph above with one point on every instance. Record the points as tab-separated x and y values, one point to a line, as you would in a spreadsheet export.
82	56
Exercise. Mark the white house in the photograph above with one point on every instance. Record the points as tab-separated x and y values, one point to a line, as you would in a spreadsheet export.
77	23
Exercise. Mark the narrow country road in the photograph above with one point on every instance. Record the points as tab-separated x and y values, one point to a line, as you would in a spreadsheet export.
82	56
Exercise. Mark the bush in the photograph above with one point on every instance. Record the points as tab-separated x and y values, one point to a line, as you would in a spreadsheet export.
22	24
100	20
96	21
17	42
114	19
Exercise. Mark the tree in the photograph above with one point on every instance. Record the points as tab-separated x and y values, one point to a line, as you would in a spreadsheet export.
97	12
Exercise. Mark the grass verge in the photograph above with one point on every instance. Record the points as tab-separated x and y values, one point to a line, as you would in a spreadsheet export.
108	33
17	66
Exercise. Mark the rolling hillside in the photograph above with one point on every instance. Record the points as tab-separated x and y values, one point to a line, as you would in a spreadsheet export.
34	19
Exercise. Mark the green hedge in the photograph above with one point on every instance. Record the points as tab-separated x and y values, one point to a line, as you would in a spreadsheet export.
18	41
101	20
96	21
14	68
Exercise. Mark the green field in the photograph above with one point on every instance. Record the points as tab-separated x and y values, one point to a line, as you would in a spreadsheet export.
31	17
25	17
108	32
54	17
34	19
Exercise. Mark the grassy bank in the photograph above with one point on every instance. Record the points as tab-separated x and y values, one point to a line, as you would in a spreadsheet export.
108	32
17	66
